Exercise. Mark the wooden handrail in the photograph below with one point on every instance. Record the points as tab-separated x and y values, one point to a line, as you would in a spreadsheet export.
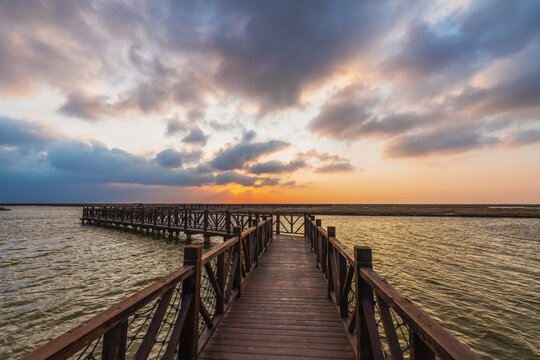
339	264
68	344
113	323
432	333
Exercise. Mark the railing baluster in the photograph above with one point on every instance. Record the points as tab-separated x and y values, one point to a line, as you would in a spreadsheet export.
189	337
114	342
419	349
389	330
150	336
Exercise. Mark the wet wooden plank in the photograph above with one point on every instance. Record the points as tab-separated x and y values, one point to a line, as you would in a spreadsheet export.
283	313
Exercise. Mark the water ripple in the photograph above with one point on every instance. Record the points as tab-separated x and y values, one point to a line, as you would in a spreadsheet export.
479	277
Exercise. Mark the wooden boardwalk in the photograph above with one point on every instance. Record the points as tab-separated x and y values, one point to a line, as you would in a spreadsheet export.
258	295
283	311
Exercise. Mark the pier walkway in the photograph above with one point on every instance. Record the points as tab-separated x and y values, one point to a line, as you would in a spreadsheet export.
284	311
279	286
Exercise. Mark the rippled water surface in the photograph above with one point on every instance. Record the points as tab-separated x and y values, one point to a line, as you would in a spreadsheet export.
479	277
56	273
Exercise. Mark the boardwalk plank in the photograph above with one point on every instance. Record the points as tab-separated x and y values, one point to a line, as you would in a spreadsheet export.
284	311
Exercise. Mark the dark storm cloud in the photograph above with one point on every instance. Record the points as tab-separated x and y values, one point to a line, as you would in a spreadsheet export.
270	50
238	156
441	141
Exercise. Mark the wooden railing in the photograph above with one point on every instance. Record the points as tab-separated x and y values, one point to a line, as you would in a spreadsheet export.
174	316
174	218
378	320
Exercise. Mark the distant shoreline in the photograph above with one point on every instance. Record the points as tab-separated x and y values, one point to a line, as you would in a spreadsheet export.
430	210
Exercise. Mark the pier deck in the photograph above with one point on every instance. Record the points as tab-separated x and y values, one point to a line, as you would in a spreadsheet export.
283	311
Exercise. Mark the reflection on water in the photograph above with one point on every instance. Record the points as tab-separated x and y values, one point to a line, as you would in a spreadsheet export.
56	273
479	277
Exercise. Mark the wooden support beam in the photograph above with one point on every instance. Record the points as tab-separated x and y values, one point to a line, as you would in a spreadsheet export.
191	287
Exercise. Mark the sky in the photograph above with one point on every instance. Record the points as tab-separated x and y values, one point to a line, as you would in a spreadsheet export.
383	101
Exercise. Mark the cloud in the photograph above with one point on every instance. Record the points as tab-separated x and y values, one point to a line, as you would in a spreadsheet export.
174	125
34	155
290	183
87	107
322	156
232	177
277	167
170	158
336	167
467	40
195	136
518	94
441	141
344	114
522	137
264	62
249	135
238	156
26	134
33	152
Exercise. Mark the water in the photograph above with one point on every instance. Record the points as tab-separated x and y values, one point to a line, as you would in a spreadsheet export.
480	278
56	273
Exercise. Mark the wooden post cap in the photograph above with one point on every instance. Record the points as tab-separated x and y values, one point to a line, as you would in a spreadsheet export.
331	231
362	255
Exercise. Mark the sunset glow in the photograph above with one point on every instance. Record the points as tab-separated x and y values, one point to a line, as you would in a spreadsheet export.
270	101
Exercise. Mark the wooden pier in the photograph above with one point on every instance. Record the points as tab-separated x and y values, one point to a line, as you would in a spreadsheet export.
171	221
280	287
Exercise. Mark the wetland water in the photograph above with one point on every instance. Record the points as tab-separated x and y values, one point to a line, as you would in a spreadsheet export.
479	277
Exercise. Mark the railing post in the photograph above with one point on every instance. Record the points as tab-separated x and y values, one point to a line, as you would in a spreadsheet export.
221	274
277	223
228	222
257	240
305	225
331	232
315	239
419	349
237	281
114	342
363	292
205	222
189	337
